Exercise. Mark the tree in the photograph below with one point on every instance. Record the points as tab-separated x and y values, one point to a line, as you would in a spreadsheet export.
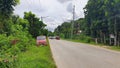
6	11
102	19
50	33
7	7
36	27
64	29
45	32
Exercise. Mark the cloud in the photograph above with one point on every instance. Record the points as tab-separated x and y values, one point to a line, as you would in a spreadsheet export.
29	5
49	20
57	10
63	1
70	7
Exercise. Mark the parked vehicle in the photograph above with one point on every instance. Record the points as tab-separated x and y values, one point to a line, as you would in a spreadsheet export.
41	40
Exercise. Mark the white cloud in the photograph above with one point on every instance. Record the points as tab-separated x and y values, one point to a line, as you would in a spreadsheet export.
57	10
70	7
63	1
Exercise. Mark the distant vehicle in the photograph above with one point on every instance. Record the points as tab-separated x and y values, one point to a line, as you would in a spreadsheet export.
41	40
52	37
57	37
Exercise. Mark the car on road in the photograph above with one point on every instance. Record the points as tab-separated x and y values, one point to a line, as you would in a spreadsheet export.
41	40
52	37
57	37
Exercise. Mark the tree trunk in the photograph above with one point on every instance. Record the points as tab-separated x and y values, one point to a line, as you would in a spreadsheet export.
115	41
104	38
96	40
101	36
118	40
115	31
110	41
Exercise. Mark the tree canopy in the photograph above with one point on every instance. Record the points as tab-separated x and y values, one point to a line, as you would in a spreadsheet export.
6	11
36	27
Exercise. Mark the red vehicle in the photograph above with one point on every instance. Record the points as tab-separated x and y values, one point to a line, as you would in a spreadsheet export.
41	40
57	37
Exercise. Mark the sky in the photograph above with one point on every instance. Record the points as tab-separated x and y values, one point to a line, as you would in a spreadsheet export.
55	12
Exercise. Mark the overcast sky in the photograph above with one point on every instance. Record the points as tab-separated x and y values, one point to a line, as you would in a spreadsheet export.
55	11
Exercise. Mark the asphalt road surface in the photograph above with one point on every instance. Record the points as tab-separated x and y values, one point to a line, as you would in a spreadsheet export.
77	55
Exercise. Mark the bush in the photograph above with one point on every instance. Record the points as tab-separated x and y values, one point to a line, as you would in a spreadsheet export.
7	53
11	46
83	38
62	35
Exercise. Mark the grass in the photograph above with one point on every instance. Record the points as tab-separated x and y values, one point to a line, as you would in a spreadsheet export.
36	57
112	48
115	48
80	41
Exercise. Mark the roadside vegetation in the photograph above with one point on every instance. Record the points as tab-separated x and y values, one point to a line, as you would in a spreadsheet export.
100	25
17	39
36	57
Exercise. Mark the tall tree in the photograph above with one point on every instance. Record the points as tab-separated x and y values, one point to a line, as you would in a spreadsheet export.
64	29
6	10
36	27
102	18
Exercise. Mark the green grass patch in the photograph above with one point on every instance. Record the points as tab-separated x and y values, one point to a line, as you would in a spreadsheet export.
73	40
36	57
113	48
93	43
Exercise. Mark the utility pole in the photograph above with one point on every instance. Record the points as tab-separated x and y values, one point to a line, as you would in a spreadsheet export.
72	24
43	17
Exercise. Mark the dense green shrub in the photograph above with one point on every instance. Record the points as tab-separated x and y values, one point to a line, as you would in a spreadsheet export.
6	52
11	46
62	35
83	38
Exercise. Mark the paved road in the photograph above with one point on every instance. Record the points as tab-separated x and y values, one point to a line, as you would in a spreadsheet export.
77	55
